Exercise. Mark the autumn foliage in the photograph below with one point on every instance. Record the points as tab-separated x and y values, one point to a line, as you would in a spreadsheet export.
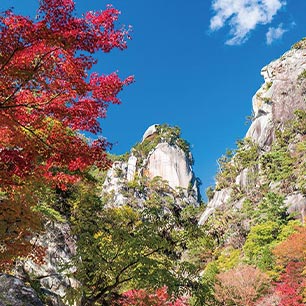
290	285
291	254
240	286
47	94
293	248
142	298
47	97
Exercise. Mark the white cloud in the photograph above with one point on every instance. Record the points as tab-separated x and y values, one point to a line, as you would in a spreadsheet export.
275	33
243	16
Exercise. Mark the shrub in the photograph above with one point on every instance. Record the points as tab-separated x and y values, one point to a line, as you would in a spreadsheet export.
142	298
241	286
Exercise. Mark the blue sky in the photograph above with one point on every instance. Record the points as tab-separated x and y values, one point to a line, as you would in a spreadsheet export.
196	65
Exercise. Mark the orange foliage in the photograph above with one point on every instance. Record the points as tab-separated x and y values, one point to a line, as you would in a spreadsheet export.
18	222
240	286
293	248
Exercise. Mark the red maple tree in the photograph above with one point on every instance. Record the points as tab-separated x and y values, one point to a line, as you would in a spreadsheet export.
291	254
158	298
290	285
48	95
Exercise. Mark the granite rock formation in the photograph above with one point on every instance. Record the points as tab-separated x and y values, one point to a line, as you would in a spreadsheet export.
274	104
161	153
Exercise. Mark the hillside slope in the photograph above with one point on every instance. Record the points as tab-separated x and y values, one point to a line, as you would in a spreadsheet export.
256	211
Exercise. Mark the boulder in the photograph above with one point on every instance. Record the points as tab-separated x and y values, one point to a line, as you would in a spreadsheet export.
296	204
14	292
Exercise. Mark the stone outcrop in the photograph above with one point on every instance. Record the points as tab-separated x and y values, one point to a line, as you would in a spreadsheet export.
283	92
115	181
296	204
171	164
165	159
131	168
15	292
279	96
59	247
219	199
150	131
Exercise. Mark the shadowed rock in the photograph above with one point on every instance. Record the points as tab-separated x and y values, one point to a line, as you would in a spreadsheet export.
14	292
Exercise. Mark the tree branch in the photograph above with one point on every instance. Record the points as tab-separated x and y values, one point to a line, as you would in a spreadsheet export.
34	106
119	281
8	60
32	132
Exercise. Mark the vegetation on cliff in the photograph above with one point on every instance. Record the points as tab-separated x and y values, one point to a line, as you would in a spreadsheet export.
259	232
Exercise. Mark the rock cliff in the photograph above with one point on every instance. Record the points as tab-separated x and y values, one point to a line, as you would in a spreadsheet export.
281	94
161	154
47	276
15	292
273	142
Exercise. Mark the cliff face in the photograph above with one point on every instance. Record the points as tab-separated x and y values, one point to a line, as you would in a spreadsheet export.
274	114
282	93
162	155
47	276
171	164
15	292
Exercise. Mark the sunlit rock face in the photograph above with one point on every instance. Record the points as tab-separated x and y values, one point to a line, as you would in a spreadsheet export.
171	164
279	96
150	131
131	168
219	199
164	160
282	93
115	180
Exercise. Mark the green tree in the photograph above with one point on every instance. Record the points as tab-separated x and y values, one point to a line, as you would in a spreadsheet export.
270	208
262	239
257	248
122	248
277	164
